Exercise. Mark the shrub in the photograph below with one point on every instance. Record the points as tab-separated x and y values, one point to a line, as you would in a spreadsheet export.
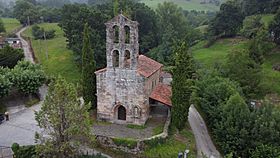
24	151
28	77
130	143
40	33
10	56
154	142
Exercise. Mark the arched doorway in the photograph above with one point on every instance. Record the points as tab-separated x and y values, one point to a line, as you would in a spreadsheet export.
121	113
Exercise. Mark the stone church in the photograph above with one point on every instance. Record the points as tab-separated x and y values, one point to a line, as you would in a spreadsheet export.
130	81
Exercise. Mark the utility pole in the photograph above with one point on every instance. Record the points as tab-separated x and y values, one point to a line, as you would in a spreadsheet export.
46	46
28	21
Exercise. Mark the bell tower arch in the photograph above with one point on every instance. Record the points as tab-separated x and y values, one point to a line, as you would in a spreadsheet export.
122	45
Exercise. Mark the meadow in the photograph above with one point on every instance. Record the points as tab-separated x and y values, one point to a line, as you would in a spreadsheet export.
54	55
10	24
184	4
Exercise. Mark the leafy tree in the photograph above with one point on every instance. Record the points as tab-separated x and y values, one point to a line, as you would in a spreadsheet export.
228	20
5	84
251	26
274	28
27	77
88	70
40	33
260	46
10	56
24	10
232	132
182	85
66	121
266	151
241	68
2	27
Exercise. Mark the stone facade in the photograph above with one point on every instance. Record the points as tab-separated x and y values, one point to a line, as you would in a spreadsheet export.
122	91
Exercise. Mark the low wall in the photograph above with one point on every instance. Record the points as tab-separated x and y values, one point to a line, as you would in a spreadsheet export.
131	145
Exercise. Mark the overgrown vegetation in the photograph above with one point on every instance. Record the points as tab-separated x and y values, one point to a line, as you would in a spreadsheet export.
40	33
9	56
125	142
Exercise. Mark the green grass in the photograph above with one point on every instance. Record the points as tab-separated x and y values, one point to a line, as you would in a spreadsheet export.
60	59
130	143
136	126
10	24
172	146
32	102
158	130
218	52
184	4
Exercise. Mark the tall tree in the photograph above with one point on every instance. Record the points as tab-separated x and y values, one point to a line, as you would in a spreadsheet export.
228	20
88	70
274	28
65	121
241	68
182	85
2	27
26	12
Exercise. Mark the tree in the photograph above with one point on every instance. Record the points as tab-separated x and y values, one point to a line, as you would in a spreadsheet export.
228	20
28	77
65	120
232	131
266	151
241	68
88	70
40	33
251	26
2	27
260	46
274	28
182	85
26	12
10	56
5	84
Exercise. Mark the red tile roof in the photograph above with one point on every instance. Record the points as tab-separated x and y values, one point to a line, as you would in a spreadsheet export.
146	66
162	93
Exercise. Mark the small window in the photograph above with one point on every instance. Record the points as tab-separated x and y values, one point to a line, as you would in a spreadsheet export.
126	59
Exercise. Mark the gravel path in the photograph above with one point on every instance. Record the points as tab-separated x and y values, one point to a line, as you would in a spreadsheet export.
204	144
25	46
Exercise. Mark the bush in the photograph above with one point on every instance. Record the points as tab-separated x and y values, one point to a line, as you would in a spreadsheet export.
40	33
24	151
154	142
10	56
5	84
28	77
130	143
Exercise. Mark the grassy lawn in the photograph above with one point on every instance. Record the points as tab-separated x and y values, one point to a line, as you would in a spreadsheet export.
173	145
216	54
60	59
184	4
10	24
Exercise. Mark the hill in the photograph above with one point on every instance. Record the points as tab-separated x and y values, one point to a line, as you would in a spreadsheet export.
186	4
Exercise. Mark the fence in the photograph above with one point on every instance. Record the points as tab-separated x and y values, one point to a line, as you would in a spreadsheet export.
6	152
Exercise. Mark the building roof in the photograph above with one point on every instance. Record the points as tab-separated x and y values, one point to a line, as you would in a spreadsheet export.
162	93
146	66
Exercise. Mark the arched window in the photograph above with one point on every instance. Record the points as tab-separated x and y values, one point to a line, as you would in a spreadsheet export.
127	59
116	58
116	33
127	34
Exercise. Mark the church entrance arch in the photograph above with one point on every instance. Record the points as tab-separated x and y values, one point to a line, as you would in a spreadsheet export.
121	113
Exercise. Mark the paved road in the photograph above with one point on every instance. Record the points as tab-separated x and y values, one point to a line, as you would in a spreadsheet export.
204	144
25	45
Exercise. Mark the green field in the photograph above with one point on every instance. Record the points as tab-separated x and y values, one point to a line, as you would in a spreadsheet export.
60	59
217	53
184	4
10	24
